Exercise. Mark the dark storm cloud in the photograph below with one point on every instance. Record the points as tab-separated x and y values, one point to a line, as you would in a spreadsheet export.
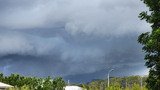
58	37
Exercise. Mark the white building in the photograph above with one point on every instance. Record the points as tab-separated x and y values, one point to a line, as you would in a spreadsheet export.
4	86
73	88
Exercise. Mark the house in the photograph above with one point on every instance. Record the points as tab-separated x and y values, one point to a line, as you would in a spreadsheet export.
73	88
4	86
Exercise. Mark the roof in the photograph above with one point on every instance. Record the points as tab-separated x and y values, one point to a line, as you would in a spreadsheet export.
73	88
3	85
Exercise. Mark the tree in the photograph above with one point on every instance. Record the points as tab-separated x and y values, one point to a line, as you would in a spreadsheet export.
58	83
1	77
151	43
47	84
136	87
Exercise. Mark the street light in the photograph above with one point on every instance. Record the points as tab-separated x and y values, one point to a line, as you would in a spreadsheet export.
108	75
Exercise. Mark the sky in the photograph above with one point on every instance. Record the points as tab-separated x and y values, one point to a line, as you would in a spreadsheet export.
71	37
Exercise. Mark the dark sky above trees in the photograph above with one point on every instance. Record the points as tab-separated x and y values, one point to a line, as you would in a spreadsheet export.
71	37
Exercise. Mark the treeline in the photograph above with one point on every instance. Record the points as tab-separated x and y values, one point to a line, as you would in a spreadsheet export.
32	83
118	83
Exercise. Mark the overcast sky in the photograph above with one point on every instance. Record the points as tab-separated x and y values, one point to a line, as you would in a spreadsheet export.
70	37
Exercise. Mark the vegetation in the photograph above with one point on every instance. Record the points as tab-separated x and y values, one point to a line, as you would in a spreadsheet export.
118	83
151	43
32	83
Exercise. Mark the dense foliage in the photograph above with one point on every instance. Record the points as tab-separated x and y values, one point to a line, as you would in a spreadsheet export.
118	83
32	83
151	43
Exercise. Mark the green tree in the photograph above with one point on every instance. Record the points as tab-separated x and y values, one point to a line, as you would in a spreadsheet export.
47	84
136	87
151	43
1	77
58	83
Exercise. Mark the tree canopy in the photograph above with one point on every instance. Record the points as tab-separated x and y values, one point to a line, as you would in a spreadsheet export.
151	42
33	83
118	83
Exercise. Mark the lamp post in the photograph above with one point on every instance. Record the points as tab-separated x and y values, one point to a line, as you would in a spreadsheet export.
108	75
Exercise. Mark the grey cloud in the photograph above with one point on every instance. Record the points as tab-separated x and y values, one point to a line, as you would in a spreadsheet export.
18	45
62	57
58	37
23	44
98	18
